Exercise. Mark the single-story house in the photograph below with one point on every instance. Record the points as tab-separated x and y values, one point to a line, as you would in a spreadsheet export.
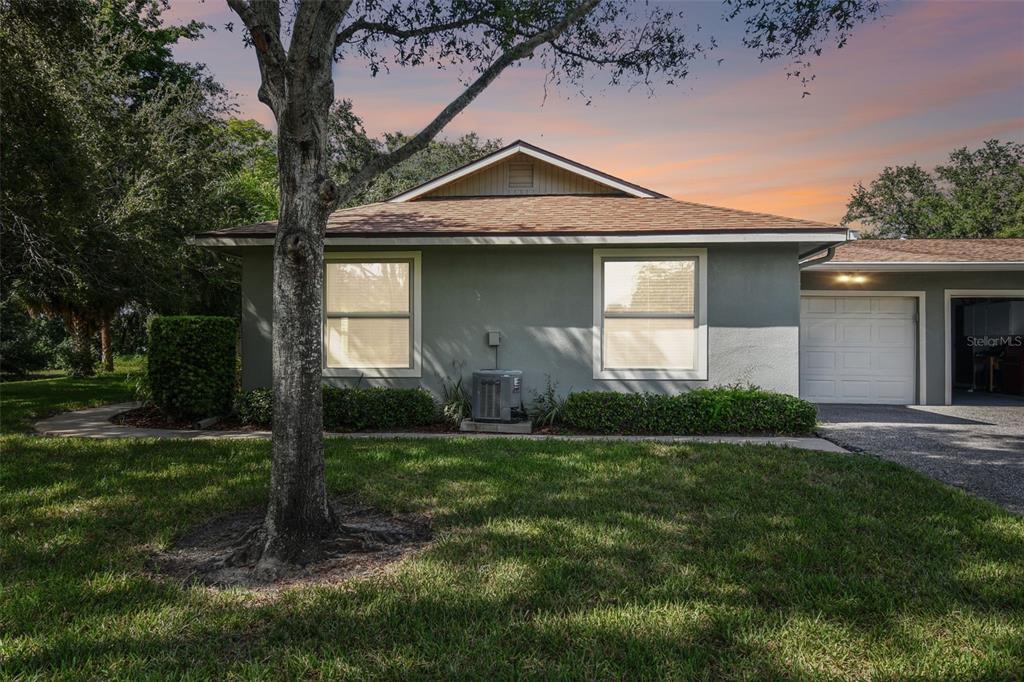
528	260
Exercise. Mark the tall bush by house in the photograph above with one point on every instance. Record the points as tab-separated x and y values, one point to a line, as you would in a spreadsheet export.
192	364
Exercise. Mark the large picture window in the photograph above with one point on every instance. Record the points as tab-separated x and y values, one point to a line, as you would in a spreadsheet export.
370	315
647	315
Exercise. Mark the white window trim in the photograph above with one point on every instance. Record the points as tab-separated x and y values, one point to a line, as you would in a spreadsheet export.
922	326
700	370
416	370
947	305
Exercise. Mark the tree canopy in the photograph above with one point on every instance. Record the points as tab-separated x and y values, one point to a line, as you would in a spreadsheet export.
977	193
113	153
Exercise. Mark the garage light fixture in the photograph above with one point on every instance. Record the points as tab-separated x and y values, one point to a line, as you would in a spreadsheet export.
851	279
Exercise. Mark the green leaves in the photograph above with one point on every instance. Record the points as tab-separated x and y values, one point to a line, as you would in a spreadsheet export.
725	410
355	409
978	193
350	409
192	365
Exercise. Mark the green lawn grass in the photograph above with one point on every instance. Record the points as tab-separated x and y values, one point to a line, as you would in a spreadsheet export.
552	560
22	402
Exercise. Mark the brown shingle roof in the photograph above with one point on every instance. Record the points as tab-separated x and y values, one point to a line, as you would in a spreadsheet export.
931	251
539	215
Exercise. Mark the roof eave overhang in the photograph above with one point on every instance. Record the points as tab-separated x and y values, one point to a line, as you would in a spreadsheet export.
803	237
917	266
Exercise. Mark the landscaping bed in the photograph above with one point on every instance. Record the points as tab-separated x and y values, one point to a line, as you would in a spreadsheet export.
713	411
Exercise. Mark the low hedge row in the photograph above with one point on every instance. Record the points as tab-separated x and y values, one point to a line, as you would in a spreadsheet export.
739	410
350	409
354	409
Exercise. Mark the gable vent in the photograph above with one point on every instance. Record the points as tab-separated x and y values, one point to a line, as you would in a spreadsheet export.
520	176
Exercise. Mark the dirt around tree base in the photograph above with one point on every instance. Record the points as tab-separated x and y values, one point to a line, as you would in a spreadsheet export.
366	542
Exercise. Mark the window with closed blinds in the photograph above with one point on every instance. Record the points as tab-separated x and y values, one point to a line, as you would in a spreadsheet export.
649	314
368	314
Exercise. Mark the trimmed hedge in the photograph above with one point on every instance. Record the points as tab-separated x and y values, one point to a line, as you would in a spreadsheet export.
355	409
737	410
350	409
192	364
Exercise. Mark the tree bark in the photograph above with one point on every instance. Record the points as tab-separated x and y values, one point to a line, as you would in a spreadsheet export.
82	360
298	513
106	348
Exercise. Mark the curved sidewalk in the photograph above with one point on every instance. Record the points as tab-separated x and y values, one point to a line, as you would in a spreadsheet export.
95	422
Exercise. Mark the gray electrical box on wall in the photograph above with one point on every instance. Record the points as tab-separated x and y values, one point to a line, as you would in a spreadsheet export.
493	338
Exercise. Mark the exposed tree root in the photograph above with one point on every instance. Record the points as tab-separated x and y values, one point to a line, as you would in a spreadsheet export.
230	551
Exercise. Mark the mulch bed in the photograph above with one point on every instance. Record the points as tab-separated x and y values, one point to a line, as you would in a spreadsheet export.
196	558
151	417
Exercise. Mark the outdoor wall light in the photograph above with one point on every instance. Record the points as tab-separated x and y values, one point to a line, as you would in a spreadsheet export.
851	279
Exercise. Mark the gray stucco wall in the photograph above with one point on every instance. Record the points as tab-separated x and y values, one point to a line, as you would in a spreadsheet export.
541	300
934	285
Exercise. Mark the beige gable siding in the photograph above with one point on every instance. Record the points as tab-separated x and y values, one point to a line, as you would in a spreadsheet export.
494	181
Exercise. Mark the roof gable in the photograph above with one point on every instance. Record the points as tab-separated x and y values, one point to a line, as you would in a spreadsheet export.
563	172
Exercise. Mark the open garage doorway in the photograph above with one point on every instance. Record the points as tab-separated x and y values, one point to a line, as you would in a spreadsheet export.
985	334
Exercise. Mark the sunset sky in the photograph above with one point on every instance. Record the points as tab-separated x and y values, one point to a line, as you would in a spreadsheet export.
929	77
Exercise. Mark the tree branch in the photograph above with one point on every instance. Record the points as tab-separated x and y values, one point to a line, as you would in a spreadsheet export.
361	24
523	49
262	18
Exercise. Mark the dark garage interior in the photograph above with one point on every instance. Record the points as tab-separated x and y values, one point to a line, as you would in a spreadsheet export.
987	348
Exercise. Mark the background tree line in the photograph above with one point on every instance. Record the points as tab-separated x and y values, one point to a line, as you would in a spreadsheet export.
977	193
113	153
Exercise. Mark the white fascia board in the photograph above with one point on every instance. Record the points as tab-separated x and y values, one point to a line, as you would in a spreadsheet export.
454	175
918	266
513	240
230	241
587	173
516	149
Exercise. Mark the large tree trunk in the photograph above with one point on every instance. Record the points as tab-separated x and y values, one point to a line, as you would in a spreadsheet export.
298	514
106	348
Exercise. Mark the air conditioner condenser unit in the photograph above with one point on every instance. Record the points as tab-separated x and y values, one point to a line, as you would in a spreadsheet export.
497	395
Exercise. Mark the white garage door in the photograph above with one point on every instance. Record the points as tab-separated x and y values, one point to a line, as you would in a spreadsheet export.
858	349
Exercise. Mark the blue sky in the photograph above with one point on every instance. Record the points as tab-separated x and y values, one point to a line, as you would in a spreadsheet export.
929	77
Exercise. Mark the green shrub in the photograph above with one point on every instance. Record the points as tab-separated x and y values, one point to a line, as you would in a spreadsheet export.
255	407
607	412
192	365
723	410
355	409
547	406
77	360
349	409
27	344
456	403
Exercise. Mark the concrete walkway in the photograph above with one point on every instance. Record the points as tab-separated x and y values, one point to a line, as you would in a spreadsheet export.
95	423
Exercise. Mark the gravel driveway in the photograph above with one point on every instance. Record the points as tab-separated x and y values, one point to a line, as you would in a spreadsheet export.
977	448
